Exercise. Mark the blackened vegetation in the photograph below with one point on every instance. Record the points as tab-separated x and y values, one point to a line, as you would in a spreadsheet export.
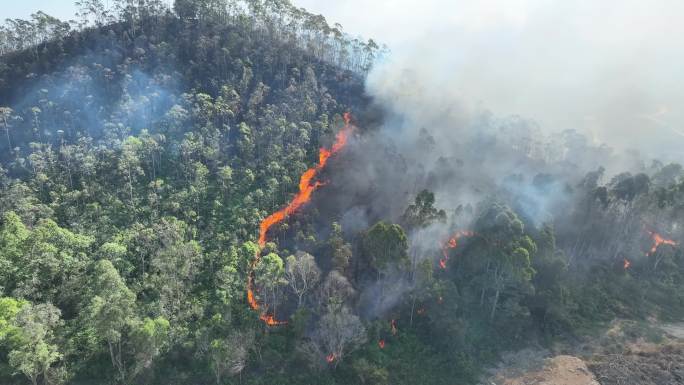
142	146
657	366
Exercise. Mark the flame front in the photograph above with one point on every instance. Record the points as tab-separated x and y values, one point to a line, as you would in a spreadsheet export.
659	240
270	320
330	358
250	295
381	344
307	186
452	243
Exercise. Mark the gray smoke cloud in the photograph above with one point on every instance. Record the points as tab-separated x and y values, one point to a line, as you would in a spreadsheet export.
608	69
515	101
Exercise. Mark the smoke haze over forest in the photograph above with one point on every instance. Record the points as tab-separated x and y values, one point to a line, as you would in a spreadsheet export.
243	191
607	69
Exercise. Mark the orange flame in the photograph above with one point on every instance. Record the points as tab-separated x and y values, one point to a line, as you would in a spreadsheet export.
250	295
381	344
659	240
306	189
330	358
627	264
271	321
452	243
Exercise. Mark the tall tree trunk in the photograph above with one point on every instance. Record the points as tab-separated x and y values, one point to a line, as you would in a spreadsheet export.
496	302
482	295
413	307
497	284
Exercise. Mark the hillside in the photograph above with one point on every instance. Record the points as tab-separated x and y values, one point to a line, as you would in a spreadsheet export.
210	194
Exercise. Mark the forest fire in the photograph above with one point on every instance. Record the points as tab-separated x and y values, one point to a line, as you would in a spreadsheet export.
330	358
381	344
307	186
250	295
452	243
659	240
271	321
627	264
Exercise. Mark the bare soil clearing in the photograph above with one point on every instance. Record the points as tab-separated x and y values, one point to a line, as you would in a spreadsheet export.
620	356
559	370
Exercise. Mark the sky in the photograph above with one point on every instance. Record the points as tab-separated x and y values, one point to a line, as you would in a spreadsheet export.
12	9
610	68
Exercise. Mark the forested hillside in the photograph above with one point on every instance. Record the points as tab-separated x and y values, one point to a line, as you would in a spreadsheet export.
145	148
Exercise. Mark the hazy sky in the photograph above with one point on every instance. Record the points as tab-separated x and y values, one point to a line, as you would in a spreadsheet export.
12	9
611	68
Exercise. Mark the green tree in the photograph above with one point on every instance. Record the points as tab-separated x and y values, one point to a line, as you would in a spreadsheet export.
175	264
507	252
270	280
150	338
13	235
110	312
47	260
385	244
9	308
34	351
423	212
341	251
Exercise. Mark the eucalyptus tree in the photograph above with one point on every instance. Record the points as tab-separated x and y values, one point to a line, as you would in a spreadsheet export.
302	274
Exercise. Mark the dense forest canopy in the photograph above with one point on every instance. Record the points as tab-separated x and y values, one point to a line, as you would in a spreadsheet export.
144	147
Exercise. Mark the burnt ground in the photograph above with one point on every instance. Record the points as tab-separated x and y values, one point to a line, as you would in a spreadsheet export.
627	353
659	365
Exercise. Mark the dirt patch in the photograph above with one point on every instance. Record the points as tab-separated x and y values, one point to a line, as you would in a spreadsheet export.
661	366
674	330
625	353
560	370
